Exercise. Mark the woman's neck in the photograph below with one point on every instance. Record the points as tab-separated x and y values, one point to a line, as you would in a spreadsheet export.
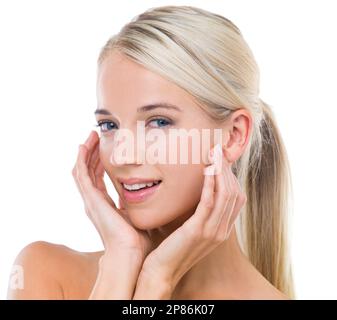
219	271
222	269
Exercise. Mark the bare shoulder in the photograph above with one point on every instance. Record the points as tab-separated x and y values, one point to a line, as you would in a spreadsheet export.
269	292
53	271
250	284
259	288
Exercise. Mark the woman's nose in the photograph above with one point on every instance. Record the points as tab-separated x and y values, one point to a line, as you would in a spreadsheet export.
127	152
124	154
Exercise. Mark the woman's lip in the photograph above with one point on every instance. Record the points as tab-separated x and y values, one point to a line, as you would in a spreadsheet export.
136	180
140	195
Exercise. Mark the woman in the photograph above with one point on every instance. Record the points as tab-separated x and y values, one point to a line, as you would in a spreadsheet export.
181	231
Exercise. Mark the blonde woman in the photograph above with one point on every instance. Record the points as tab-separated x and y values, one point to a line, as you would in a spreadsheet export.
215	229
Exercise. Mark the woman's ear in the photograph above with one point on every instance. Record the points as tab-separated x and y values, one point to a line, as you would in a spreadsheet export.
238	129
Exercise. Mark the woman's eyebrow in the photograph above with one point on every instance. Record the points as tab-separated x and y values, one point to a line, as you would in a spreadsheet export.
146	108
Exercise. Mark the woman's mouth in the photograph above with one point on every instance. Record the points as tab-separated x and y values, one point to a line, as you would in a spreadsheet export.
139	191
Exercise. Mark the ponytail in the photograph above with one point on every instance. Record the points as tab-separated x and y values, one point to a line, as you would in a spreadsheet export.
268	183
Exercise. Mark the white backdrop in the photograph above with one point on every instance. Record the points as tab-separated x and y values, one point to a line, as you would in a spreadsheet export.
48	53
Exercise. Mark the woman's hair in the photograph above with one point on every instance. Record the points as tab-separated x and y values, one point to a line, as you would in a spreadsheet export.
206	55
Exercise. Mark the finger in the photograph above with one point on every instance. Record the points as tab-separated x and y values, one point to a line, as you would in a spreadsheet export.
93	162
94	156
99	169
100	184
231	191
240	203
90	143
230	186
206	202
221	193
83	177
226	192
224	222
90	194
78	172
234	185
121	204
99	176
77	183
227	223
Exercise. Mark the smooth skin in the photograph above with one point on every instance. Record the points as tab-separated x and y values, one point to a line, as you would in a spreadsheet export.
187	249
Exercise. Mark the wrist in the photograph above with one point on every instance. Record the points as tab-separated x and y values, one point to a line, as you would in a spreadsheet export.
118	252
152	286
120	266
117	276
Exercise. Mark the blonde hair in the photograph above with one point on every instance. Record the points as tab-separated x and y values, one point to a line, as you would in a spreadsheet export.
206	54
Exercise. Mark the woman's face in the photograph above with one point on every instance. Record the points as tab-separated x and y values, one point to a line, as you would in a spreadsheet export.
123	86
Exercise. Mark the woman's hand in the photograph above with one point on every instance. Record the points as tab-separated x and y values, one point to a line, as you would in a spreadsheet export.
210	225
112	224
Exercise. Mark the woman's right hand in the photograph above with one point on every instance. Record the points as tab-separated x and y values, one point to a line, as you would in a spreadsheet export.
112	224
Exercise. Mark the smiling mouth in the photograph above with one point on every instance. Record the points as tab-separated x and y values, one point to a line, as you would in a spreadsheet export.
140	192
140	186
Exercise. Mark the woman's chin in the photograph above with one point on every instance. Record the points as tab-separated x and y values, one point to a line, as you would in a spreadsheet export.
141	221
146	219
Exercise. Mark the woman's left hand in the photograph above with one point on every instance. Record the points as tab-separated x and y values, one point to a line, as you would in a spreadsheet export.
220	203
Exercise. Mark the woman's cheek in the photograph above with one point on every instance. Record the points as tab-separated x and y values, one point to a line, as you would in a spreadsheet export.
177	199
191	186
154	212
165	207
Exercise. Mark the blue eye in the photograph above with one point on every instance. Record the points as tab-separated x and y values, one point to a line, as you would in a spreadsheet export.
105	125
162	122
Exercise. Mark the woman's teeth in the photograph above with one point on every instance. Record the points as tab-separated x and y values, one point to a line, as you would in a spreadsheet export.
138	186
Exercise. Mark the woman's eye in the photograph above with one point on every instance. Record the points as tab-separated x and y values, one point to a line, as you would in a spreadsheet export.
106	126
161	122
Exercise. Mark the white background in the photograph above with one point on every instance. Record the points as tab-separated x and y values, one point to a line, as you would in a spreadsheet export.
48	53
